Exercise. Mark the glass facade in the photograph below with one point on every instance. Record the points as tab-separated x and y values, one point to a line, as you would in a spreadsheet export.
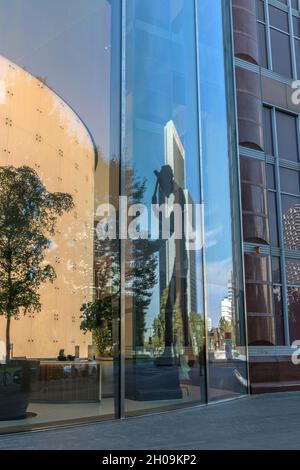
121	285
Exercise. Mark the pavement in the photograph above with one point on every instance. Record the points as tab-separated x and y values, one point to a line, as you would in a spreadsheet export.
257	422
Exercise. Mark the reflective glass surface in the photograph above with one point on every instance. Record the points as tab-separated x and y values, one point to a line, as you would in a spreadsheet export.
58	315
227	371
121	287
164	313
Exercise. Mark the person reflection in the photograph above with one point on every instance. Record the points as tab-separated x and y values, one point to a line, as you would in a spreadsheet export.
168	193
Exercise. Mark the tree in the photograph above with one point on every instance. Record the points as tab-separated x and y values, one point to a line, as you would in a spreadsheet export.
28	216
140	263
159	324
197	331
98	317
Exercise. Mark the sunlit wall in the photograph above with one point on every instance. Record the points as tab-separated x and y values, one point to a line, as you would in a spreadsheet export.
38	129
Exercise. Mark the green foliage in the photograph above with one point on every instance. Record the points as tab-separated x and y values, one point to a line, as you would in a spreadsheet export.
97	318
159	324
197	330
225	326
140	263
28	215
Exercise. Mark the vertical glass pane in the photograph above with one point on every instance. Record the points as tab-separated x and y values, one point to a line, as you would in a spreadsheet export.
273	222
296	24
263	54
260	10
164	314
278	313
57	331
270	175
224	292
276	270
287	136
268	131
281	53
297	53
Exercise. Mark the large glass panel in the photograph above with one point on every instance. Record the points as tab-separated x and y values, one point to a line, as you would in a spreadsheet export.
224	292
164	314
58	303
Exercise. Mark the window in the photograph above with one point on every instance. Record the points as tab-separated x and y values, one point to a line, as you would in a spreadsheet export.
278	19
276	53
290	181
287	136
273	222
281	53
268	130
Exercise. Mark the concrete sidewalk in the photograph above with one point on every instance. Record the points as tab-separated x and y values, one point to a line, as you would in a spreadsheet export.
258	422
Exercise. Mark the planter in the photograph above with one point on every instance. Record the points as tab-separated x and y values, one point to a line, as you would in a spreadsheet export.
15	383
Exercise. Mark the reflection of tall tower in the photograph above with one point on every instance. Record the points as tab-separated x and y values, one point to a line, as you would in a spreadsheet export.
175	159
227	304
175	258
39	130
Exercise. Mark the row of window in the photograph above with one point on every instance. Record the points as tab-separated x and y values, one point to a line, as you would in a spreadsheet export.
279	39
271	216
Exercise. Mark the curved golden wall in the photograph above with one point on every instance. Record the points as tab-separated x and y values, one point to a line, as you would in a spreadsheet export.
39	130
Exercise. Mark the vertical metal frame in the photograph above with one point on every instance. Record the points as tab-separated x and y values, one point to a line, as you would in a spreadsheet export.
268	33
202	201
122	242
292	41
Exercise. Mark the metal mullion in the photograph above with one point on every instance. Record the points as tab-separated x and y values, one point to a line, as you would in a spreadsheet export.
122	376
203	257
281	234
292	41
268	33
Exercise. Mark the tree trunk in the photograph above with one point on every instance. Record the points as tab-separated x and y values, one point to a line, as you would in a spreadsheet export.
8	339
